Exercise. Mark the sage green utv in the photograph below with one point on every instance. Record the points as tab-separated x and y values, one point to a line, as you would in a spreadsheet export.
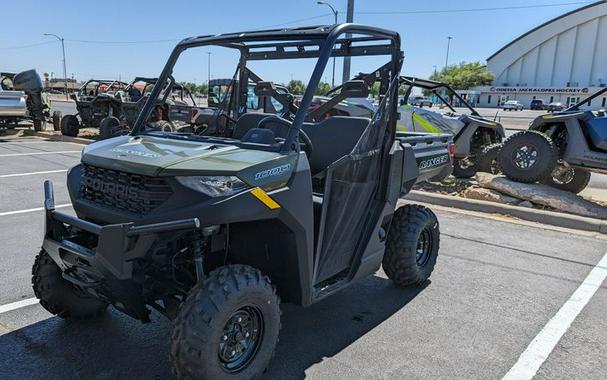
213	228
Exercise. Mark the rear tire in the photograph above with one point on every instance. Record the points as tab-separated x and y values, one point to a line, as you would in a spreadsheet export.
487	161
57	120
210	339
411	246
39	125
577	182
108	127
59	296
463	168
70	125
528	157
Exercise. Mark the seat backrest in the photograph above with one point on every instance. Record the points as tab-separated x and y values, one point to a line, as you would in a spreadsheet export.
246	122
333	138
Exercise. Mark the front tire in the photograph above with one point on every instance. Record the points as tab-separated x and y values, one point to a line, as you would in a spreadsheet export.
70	125
528	157
59	296
572	179
109	127
411	246
227	328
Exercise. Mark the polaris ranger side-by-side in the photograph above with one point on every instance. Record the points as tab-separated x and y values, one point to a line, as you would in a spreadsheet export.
214	229
560	149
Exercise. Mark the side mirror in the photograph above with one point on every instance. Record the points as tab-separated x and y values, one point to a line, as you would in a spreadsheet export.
265	88
355	89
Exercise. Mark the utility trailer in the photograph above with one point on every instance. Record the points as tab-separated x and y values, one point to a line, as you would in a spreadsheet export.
22	99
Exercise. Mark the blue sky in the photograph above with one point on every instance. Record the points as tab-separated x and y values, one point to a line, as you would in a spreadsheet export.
115	26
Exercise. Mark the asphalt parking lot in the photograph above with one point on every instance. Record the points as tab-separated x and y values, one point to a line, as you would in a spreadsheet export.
502	292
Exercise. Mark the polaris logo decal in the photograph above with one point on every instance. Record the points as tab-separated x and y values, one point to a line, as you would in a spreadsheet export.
135	153
272	172
436	161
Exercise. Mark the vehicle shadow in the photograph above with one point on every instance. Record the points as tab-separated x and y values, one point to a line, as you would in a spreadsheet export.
116	346
309	335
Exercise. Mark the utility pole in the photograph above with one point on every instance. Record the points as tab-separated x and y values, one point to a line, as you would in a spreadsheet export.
434	69
64	69
209	70
349	18
334	14
448	46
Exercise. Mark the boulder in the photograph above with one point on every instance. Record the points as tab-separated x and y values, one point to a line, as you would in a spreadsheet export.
543	195
483	194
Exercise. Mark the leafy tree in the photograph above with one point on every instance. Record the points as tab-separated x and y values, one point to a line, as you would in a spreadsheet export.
323	88
296	87
464	76
374	90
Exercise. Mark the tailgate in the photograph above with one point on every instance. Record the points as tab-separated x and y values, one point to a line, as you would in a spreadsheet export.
431	153
12	103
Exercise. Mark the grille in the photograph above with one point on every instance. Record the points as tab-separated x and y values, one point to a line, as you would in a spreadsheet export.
123	191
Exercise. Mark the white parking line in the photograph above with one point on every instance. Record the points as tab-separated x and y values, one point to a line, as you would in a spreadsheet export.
32	173
38	153
18	305
542	345
6	213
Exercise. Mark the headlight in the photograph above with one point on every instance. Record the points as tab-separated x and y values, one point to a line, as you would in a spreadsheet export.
214	186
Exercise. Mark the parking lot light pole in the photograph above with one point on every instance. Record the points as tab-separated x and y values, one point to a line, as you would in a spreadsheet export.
64	68
334	14
448	46
209	71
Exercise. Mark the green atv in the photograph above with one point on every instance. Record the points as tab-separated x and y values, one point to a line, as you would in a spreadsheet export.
215	228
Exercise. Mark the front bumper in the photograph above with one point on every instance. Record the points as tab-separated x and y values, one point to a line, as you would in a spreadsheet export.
101	259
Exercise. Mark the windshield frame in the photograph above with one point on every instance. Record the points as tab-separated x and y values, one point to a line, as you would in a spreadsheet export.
252	47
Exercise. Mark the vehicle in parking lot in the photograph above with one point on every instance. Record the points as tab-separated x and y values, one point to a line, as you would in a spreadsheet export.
555	107
420	101
513	105
213	230
560	149
21	98
112	106
538	104
477	139
95	100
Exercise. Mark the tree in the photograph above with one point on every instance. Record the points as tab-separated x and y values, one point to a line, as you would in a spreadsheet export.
323	88
374	90
464	76
296	87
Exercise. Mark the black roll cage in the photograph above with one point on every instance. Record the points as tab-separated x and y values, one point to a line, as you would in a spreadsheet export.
320	42
434	87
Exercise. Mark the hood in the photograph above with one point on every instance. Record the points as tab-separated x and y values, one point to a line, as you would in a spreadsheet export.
154	156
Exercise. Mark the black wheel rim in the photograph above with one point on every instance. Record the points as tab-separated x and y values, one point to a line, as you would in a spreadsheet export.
465	163
563	175
424	247
241	338
525	156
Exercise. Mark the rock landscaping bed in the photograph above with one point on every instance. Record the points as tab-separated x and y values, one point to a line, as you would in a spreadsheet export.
499	189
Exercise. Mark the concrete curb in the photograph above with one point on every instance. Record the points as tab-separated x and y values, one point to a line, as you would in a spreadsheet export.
540	216
52	136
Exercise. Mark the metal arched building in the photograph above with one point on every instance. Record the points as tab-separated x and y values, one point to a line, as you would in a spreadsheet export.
562	60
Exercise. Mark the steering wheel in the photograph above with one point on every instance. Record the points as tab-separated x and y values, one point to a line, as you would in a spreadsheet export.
308	147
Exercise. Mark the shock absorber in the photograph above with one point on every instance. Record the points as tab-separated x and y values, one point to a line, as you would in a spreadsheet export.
201	239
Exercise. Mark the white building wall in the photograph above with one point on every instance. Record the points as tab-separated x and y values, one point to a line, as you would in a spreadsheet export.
565	51
545	62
